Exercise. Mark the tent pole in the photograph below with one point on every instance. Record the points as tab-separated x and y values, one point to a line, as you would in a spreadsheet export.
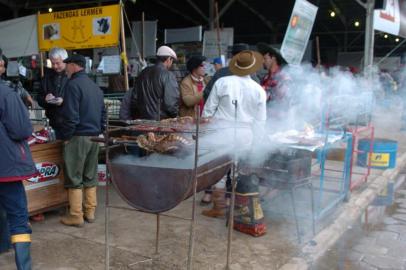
123	46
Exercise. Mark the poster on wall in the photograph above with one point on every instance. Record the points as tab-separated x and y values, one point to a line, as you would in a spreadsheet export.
388	19
80	28
178	35
211	46
402	20
391	19
298	33
150	35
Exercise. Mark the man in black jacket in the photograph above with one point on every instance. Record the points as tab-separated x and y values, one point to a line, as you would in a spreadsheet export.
156	92
52	90
84	117
16	165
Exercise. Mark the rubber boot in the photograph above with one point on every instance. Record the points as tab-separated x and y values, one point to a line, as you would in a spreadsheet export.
219	204
90	204
75	215
22	255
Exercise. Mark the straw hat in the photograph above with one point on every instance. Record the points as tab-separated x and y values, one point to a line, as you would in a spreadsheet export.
245	63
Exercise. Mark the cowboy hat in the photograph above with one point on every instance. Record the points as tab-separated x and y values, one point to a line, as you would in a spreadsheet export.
264	48
245	63
166	51
239	47
194	62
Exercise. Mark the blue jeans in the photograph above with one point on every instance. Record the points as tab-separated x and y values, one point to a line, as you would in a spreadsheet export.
14	202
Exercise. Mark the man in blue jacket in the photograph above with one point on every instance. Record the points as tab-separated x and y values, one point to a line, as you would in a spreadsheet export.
84	117
16	164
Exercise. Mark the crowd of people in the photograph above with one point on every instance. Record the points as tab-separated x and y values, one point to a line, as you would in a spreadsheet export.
156	96
74	105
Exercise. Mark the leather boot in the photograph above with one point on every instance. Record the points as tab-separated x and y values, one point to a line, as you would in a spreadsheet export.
22	255
90	204
219	204
75	215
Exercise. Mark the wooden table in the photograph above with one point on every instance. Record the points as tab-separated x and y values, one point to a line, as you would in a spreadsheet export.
47	191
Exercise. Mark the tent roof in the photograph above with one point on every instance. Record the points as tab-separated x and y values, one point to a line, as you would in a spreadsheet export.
253	20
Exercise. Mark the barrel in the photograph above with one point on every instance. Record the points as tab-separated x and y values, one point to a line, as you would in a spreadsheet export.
383	154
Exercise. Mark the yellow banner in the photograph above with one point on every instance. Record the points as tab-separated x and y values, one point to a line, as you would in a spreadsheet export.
80	28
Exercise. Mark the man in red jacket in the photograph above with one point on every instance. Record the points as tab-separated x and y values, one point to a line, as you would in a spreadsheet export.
16	164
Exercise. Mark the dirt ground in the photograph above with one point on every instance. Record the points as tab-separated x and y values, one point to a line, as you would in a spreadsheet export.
132	237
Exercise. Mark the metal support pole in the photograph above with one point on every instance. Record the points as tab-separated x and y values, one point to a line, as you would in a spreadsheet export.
193	222
211	14
41	61
218	29
106	203
233	184
369	37
143	35
124	48
391	51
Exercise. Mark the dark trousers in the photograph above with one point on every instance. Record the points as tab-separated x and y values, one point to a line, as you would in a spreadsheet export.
81	158
228	186
14	203
4	232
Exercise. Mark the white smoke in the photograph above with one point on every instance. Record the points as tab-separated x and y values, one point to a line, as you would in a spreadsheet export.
322	99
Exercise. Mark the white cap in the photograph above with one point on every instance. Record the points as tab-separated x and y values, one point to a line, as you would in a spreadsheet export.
166	51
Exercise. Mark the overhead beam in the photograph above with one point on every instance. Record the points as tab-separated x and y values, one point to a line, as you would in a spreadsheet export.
349	46
174	10
328	32
259	15
195	7
339	13
62	5
9	3
226	7
362	4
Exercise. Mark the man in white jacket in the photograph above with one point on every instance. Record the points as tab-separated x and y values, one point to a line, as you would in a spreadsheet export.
237	98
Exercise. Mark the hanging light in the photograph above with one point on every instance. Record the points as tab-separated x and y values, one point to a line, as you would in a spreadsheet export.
397	39
50	10
356	23
386	36
332	14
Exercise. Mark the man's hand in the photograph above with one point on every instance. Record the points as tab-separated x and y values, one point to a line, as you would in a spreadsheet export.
49	97
58	101
30	101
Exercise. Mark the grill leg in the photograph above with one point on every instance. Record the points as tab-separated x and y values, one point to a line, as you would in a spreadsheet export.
158	224
312	204
292	197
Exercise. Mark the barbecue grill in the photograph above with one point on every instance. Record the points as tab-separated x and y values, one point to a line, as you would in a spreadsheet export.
156	180
158	183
